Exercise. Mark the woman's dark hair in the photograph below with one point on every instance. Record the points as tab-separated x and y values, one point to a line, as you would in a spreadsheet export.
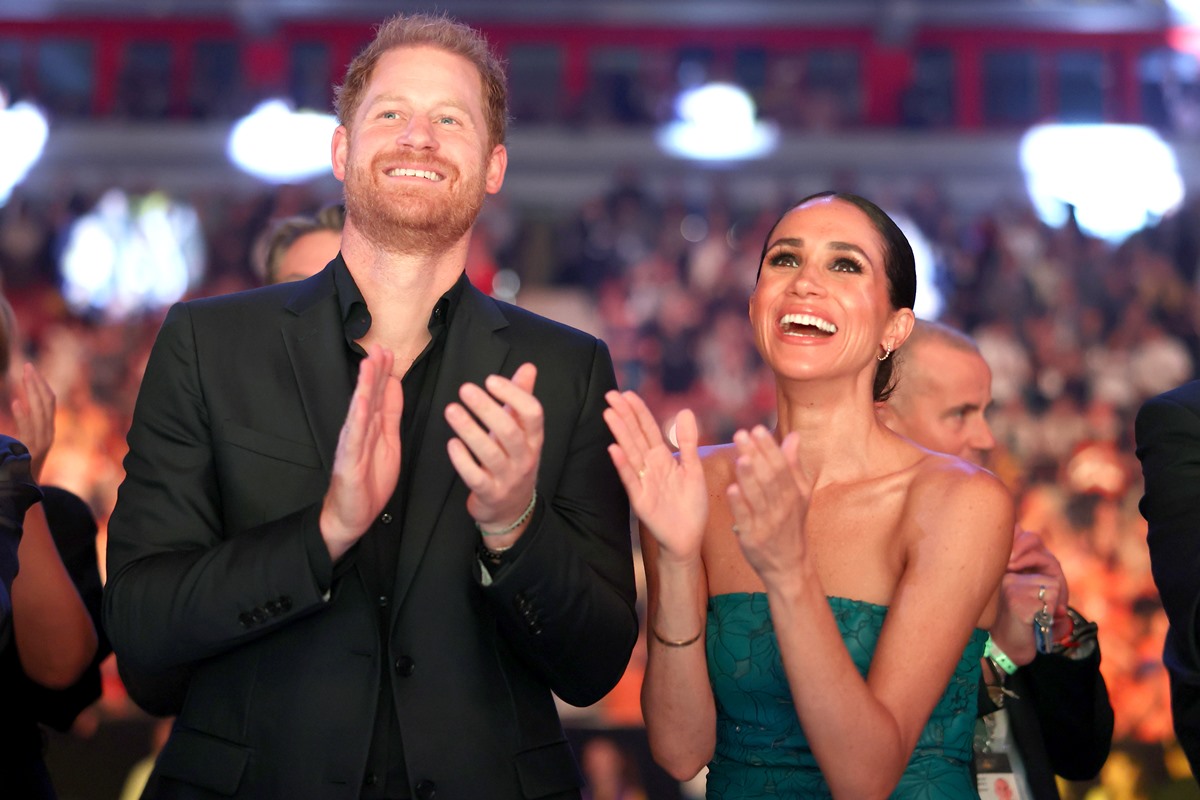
898	265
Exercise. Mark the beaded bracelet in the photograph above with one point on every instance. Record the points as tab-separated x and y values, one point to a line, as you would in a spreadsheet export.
998	656
525	515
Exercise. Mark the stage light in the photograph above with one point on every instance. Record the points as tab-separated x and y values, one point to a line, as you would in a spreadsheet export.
23	132
1185	12
929	302
280	145
131	254
1117	178
717	122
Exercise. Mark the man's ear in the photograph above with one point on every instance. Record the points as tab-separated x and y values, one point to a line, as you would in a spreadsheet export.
497	166
339	151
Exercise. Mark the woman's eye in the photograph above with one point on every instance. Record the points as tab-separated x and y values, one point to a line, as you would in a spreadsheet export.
846	265
783	260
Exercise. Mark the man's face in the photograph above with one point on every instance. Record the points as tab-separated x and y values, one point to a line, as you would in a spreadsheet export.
941	396
416	160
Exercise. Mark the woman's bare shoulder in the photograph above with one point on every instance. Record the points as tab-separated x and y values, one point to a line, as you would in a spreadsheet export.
944	481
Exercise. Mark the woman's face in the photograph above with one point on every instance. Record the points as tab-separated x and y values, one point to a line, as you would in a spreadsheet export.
821	306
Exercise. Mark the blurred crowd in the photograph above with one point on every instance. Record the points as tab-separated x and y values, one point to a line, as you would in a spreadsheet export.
1078	332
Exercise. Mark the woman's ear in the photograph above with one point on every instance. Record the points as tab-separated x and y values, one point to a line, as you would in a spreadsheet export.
900	327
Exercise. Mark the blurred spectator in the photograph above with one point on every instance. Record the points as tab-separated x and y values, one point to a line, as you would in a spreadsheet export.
295	248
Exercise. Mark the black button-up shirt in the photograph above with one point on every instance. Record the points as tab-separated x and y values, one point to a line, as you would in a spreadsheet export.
378	551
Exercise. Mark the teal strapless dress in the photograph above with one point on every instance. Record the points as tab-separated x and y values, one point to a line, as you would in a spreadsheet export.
761	750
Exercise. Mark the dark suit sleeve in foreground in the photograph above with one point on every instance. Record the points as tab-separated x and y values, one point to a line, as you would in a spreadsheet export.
1168	444
181	586
1167	429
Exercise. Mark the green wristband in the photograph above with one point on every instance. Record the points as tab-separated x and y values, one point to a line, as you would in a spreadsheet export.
998	656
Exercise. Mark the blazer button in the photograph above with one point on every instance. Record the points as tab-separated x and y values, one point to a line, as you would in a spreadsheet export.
405	667
245	619
259	615
385	518
426	790
285	603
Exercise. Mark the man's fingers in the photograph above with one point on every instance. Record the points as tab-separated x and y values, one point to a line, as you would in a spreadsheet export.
525	377
474	437
517	394
491	415
465	465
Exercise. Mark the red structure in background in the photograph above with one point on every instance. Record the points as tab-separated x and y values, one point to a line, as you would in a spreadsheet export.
885	72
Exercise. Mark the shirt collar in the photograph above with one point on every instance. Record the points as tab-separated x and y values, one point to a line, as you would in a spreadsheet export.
356	317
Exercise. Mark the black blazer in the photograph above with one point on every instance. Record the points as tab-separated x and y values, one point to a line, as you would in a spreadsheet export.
213	584
1062	720
1168	443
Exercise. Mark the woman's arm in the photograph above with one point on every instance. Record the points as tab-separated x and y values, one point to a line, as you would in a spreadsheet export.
959	530
54	634
677	699
55	637
670	498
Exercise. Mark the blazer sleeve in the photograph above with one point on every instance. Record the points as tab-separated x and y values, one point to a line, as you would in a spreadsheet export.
182	586
1073	711
1168	445
566	602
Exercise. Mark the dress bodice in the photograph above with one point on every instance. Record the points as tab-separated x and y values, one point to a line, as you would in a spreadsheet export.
761	749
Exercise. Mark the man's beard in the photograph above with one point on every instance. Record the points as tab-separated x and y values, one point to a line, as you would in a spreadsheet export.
405	219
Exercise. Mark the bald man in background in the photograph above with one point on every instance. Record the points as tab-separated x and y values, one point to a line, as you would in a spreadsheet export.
1052	714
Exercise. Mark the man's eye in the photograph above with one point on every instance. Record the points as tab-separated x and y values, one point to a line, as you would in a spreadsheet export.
390	115
447	121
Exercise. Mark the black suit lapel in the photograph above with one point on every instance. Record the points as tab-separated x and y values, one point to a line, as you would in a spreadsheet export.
316	345
473	351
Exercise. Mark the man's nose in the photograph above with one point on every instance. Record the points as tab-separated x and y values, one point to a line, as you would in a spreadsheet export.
418	133
982	438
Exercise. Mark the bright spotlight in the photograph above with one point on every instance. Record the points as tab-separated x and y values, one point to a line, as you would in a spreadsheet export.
929	301
130	254
1185	12
23	132
1118	178
280	145
717	123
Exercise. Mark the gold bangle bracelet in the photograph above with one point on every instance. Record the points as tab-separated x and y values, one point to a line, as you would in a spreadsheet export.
680	643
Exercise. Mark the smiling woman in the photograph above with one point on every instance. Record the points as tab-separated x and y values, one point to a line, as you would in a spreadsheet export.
812	561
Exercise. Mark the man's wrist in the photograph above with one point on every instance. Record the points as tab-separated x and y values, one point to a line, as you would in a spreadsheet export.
1081	642
494	535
